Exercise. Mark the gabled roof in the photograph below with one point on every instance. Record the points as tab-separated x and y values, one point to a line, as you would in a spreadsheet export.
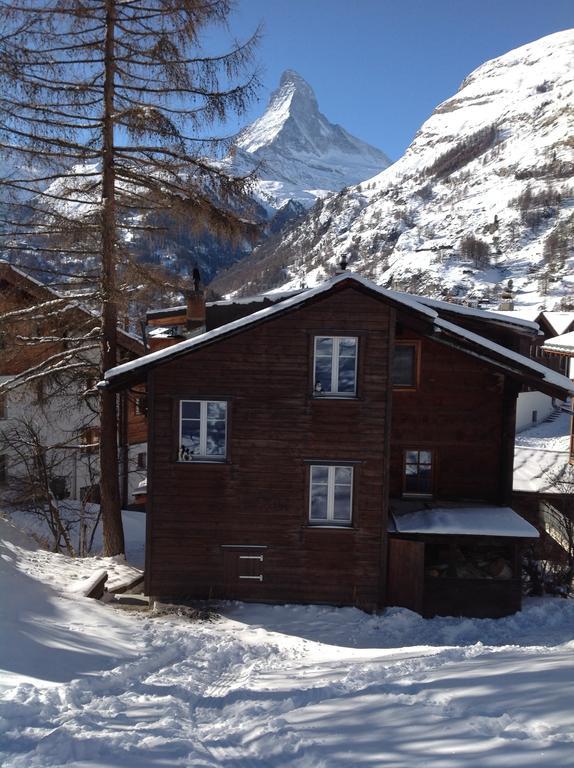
439	329
264	315
560	321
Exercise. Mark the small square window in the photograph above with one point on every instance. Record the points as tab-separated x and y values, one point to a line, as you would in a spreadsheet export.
335	366
202	430
331	495
418	473
405	364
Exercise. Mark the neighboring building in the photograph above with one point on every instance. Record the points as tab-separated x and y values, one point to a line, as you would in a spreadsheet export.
534	407
39	329
346	445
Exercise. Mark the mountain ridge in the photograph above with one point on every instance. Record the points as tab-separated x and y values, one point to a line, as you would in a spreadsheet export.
483	195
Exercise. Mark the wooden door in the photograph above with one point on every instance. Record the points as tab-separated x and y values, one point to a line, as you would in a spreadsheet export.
406	571
243	572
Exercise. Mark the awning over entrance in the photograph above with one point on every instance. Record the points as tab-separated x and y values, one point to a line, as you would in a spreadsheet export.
464	521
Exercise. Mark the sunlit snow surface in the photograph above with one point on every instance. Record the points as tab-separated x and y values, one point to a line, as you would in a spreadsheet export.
541	454
308	687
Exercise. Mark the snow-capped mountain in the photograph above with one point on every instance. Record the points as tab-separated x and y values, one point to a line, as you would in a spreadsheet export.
299	154
483	195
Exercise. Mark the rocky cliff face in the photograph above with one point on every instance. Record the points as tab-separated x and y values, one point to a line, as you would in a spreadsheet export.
484	195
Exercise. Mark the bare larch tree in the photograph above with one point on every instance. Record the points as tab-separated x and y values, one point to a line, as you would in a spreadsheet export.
107	115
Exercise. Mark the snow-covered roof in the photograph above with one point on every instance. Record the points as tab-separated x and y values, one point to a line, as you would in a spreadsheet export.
548	375
508	318
563	343
559	320
490	347
521	313
264	314
466	521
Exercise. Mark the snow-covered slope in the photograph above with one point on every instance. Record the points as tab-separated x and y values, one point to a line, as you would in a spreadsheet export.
484	194
299	154
85	684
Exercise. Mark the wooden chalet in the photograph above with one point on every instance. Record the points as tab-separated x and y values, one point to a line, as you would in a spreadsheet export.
346	445
55	318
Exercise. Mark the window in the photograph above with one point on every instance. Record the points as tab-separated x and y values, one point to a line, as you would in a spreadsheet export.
405	365
418	473
331	495
202	430
335	365
140	405
141	460
3	468
3	410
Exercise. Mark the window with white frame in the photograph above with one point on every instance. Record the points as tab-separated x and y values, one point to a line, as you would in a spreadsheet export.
335	365
331	495
202	430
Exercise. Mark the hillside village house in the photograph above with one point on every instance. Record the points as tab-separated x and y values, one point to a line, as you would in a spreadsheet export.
534	406
347	445
34	321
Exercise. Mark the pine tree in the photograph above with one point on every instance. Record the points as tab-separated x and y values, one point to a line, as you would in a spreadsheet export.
120	96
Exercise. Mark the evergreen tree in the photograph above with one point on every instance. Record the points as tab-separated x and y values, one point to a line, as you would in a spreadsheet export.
120	96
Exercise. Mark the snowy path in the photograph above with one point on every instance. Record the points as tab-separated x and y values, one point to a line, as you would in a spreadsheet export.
270	687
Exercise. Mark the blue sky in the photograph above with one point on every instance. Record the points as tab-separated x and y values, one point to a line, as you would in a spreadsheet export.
379	67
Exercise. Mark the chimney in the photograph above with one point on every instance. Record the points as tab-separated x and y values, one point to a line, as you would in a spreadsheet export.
342	266
195	310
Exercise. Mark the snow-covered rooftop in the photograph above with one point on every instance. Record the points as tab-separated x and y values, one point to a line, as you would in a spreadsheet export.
267	313
508	318
563	343
466	521
560	321
548	375
490	347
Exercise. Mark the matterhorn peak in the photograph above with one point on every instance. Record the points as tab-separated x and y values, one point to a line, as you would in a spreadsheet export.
297	86
300	151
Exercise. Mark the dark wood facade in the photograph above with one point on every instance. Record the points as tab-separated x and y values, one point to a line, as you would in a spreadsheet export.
239	528
207	516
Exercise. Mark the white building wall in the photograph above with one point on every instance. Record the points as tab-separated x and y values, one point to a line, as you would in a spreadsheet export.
532	404
58	420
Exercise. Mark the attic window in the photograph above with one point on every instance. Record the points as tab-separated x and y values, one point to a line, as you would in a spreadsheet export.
405	372
335	366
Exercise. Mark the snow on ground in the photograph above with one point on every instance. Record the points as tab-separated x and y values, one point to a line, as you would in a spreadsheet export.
86	685
541	453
